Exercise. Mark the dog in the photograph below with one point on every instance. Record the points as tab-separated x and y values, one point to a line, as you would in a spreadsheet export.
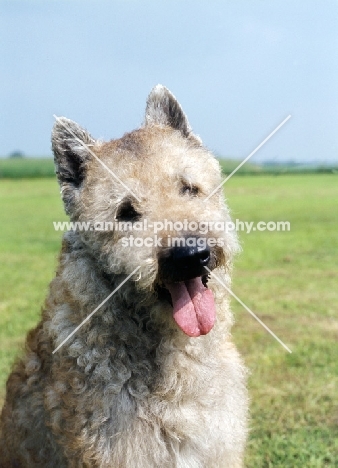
132	364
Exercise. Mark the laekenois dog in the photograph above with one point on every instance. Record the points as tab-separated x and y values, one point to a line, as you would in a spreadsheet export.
151	379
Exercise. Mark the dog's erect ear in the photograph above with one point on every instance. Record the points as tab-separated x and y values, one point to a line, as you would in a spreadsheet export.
164	109
71	146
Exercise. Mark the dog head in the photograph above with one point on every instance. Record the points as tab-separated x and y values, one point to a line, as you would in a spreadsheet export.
146	199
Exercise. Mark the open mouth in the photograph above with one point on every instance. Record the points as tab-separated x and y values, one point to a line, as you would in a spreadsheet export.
193	305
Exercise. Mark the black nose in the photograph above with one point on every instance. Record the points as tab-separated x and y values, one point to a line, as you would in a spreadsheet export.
190	258
184	262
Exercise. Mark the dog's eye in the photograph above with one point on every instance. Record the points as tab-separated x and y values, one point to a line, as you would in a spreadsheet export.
127	212
191	190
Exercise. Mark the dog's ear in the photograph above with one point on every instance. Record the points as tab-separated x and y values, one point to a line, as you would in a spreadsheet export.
164	109
71	145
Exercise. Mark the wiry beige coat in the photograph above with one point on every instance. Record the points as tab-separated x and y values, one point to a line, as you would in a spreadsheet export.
130	389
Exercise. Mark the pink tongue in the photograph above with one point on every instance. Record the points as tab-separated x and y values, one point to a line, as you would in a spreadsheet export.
194	306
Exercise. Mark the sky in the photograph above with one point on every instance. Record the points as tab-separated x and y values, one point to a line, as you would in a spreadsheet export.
238	68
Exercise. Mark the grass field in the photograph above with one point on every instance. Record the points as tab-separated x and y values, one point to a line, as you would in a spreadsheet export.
16	168
288	278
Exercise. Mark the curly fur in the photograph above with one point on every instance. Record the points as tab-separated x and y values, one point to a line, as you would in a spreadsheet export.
129	389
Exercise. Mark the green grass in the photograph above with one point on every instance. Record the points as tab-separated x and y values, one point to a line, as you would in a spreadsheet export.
250	168
288	278
28	250
17	168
